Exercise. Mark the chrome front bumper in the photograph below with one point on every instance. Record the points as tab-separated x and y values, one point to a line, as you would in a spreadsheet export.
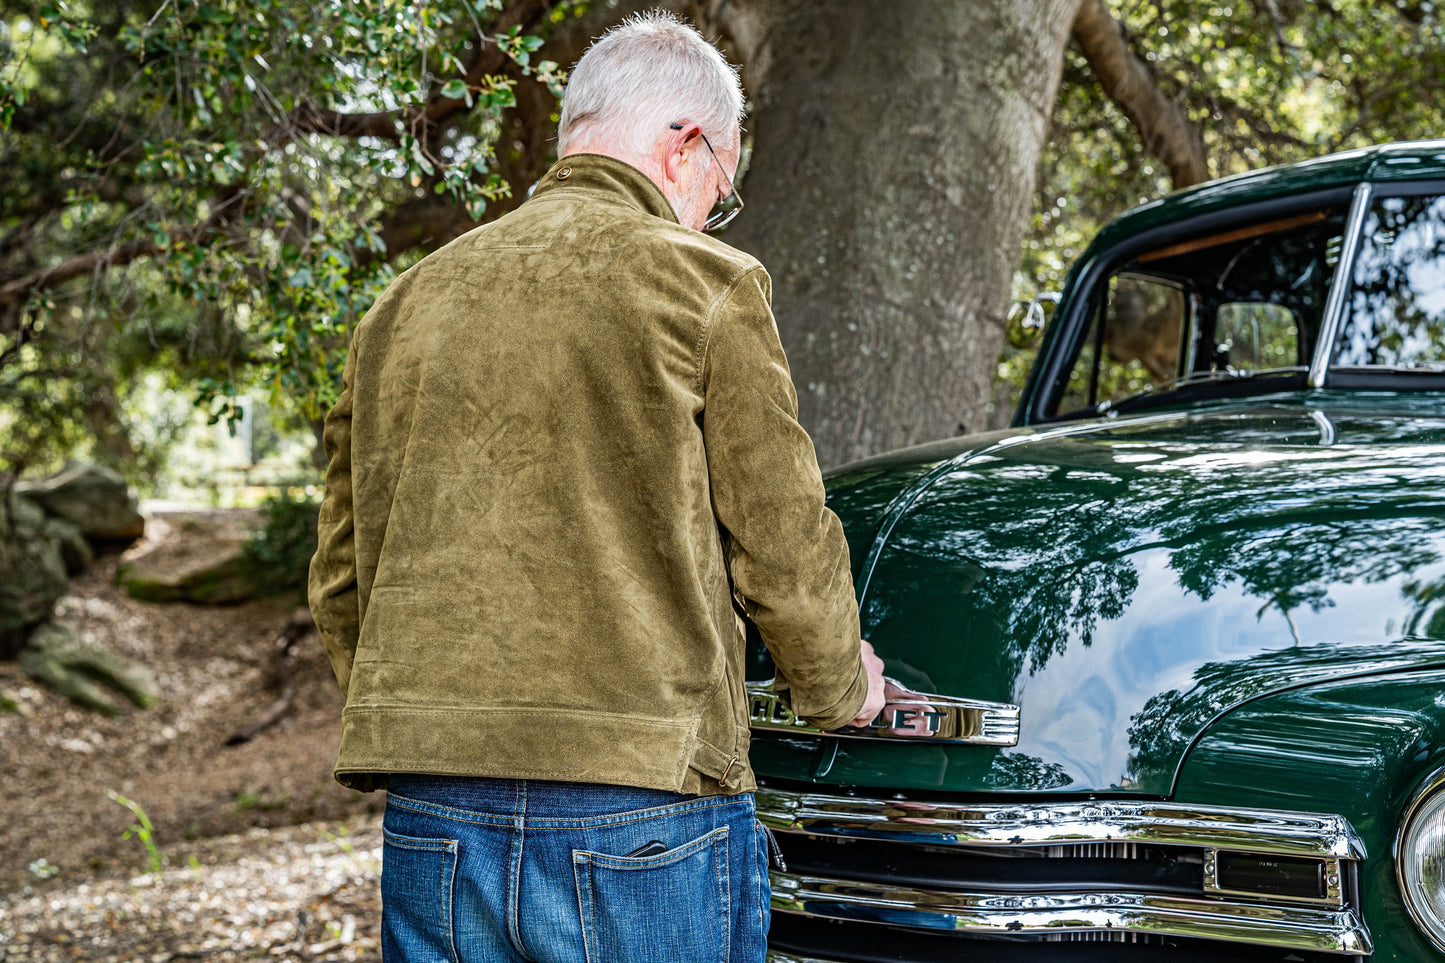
1216	909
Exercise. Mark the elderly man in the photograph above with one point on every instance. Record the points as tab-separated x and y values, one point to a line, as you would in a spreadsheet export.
565	461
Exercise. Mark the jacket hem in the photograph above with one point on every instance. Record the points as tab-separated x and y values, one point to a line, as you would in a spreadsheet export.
509	743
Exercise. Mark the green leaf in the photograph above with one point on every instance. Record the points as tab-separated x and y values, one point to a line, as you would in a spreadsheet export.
419	158
455	88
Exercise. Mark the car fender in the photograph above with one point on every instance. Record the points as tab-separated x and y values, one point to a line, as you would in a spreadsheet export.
1360	748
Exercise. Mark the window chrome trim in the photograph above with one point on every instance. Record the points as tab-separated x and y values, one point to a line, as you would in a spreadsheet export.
1062	823
1334	313
996	914
908	715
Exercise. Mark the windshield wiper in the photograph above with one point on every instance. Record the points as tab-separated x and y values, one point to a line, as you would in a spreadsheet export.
1198	378
1234	374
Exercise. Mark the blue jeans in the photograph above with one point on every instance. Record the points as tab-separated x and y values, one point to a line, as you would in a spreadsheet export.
557	872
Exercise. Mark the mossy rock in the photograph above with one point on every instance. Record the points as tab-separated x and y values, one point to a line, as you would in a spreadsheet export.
202	561
93	498
75	550
85	673
32	571
221	584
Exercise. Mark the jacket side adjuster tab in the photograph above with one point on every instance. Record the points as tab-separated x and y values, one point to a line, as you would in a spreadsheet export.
723	779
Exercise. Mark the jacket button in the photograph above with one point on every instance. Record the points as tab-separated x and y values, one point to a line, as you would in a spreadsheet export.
564	173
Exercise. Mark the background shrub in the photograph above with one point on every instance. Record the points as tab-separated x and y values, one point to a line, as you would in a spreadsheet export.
278	556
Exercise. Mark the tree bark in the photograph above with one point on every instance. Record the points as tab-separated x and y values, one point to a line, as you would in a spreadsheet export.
1164	129
895	148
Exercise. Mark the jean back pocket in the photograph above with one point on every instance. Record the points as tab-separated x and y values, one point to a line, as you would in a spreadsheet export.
674	907
417	881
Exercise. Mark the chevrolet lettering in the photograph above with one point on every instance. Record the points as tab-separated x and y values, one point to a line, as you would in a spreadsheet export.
908	715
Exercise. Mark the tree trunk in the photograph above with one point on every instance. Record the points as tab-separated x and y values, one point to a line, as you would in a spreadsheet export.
895	148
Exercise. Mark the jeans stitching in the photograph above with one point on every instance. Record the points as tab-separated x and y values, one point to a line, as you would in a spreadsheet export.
690	848
760	849
444	812
582	868
449	887
724	894
514	890
417	842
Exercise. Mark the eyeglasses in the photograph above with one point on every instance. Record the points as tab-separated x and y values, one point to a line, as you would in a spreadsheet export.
727	208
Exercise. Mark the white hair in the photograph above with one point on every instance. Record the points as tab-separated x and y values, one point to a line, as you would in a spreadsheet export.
649	71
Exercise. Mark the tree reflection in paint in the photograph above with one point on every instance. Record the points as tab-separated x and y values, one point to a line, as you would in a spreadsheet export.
1037	555
1171	719
1014	558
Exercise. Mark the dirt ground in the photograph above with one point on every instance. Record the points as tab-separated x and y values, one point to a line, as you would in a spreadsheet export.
237	886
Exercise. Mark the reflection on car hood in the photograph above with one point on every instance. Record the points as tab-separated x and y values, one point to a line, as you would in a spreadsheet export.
1126	582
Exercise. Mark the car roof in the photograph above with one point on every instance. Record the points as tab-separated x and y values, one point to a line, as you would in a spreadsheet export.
1411	161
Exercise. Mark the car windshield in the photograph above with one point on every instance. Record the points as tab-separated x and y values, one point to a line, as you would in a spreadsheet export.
1230	304
1395	314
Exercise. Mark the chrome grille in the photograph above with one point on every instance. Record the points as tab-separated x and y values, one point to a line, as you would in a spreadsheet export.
1107	871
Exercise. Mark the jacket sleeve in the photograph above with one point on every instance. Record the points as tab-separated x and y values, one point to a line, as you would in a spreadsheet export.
331	589
786	552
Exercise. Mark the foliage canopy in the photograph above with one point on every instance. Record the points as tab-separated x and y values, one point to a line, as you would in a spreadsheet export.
219	188
213	191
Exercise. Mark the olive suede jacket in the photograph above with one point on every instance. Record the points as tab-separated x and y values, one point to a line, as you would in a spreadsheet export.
565	449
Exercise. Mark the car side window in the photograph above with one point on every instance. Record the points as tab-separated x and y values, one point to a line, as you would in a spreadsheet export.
1133	345
1228	304
1256	336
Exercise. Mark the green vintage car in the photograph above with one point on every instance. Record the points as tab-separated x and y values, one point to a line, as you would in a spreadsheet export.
1168	656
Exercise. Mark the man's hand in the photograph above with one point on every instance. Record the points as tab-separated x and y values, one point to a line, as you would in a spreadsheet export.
876	698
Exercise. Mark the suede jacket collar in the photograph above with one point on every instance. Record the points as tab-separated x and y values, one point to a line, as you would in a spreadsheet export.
606	179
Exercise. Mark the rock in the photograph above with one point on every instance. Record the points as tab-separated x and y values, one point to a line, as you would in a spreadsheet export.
74	549
32	573
58	657
94	498
201	560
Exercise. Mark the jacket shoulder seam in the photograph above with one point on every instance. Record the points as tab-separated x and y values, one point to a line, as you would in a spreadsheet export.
704	336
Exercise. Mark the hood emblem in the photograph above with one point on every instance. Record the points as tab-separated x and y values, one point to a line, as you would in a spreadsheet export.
908	715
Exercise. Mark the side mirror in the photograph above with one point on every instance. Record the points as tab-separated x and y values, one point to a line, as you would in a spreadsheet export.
1026	319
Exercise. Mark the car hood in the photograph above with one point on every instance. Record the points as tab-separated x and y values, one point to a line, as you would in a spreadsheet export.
1126	582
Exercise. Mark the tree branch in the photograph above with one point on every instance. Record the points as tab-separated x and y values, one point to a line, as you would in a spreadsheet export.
309	119
419	121
21	287
428	221
1162	125
1276	20
16	290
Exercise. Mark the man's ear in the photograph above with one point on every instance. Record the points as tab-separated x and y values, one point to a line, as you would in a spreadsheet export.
675	147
